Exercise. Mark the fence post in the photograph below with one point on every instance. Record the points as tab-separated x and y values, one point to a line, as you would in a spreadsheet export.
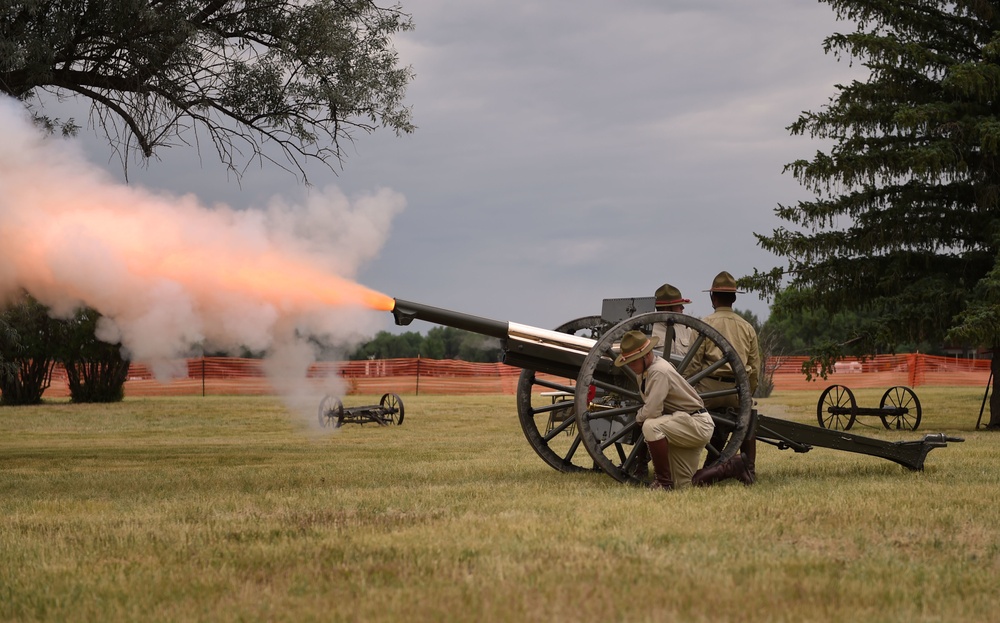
418	374
203	376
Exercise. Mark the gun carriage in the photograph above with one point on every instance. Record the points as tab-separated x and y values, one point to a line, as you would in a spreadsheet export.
570	395
389	410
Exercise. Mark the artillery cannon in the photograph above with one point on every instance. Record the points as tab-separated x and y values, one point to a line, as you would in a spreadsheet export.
576	361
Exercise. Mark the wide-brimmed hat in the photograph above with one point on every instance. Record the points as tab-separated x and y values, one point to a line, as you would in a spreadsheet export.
724	282
635	345
667	295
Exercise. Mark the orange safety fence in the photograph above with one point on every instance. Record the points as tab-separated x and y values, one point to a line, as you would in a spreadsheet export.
884	371
212	376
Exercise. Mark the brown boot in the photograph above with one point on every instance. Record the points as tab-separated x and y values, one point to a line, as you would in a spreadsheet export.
735	467
640	465
659	451
749	450
718	441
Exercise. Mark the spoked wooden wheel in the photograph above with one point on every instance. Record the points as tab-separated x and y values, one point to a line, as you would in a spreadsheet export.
901	408
393	406
331	411
546	410
837	408
607	398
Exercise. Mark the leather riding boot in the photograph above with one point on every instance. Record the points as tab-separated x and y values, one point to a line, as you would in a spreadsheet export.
735	467
749	448
659	451
718	441
640	468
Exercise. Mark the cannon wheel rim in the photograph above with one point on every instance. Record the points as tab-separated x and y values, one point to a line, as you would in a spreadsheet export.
570	456
836	396
899	397
620	464
331	411
394	404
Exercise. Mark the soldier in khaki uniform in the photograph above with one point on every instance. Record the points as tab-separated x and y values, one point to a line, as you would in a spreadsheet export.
741	335
677	337
674	421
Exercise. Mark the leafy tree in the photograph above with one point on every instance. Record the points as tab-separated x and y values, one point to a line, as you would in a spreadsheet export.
96	370
385	345
905	220
452	343
440	343
30	346
10	346
479	348
302	76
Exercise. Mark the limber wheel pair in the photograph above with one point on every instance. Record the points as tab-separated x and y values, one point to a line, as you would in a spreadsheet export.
899	409
588	422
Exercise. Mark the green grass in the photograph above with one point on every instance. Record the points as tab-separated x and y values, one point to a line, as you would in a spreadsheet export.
231	509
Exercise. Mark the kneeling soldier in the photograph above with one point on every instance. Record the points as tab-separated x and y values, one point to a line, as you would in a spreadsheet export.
674	421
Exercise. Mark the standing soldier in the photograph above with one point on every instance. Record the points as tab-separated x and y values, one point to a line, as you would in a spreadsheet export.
676	339
741	335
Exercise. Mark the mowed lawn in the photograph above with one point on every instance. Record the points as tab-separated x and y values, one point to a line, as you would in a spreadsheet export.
236	509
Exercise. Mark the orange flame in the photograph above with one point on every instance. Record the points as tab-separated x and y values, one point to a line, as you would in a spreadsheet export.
285	282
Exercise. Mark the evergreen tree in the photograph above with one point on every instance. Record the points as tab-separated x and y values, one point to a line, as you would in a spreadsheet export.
905	219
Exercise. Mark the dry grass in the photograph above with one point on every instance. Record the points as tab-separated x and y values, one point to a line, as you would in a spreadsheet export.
227	509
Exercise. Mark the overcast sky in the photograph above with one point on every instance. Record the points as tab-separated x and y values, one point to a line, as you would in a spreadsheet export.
568	152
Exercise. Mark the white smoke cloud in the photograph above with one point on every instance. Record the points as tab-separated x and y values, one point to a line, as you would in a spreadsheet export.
172	276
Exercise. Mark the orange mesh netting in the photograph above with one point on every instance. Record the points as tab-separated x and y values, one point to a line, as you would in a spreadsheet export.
231	375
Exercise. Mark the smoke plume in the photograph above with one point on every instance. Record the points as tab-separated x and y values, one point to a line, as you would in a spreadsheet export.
173	277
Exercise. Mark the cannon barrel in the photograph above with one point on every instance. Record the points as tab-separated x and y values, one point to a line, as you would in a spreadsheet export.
405	312
524	346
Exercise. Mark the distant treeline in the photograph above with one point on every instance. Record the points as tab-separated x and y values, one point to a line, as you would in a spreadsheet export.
439	343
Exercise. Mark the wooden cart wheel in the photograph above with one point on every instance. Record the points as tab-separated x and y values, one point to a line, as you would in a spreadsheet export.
905	406
331	412
607	398
393	405
837	409
546	412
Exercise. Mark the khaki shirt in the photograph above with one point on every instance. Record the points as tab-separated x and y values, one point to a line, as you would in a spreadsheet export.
664	390
683	338
743	338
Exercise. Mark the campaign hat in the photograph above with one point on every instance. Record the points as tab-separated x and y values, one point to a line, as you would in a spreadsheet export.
635	345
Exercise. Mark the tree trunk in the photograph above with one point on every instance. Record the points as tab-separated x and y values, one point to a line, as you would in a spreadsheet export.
26	385
994	395
98	380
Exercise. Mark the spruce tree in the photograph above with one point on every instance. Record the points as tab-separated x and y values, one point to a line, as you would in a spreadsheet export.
904	225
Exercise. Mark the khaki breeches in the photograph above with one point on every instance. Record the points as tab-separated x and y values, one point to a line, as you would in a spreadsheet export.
687	435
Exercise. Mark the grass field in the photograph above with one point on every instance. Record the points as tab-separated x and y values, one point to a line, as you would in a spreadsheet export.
230	509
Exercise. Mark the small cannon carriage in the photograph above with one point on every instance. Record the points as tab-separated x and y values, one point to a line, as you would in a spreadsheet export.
899	408
389	410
